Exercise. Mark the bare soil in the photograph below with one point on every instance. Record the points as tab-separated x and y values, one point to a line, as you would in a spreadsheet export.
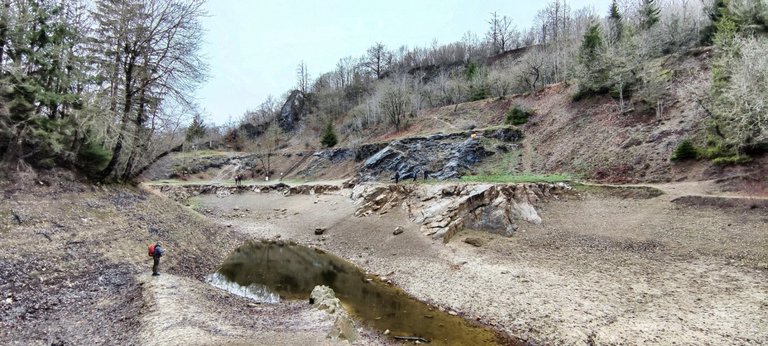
74	270
600	269
604	267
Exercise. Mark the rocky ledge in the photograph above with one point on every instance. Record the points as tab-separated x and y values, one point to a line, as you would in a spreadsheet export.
444	210
181	193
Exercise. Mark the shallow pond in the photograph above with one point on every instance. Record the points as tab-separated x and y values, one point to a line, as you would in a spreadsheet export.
292	271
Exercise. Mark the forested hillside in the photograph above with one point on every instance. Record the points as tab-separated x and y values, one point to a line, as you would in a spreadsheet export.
98	86
106	86
622	52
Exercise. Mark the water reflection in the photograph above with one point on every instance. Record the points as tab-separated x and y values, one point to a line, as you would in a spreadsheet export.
293	271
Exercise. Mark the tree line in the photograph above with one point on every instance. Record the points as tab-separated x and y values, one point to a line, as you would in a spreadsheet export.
101	86
620	52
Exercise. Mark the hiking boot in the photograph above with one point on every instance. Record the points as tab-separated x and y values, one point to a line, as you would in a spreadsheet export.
155	274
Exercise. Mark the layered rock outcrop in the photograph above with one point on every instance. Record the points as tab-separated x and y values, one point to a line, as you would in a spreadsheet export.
444	210
440	156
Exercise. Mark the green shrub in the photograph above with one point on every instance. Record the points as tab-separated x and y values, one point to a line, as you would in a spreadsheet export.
518	116
477	93
92	158
685	151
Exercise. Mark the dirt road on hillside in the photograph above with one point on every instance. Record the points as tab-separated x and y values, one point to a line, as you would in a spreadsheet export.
598	270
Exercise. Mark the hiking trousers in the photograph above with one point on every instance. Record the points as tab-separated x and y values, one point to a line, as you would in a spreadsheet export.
155	265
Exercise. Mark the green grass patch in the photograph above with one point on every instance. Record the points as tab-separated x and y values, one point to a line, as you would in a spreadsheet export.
518	178
202	153
732	160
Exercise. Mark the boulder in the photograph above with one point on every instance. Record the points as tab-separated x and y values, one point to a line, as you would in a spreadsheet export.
476	242
325	299
344	329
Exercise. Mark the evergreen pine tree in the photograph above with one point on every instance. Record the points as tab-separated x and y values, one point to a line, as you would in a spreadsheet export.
615	19
329	136
649	14
196	129
592	59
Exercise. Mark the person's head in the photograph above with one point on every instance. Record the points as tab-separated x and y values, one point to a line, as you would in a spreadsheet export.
158	244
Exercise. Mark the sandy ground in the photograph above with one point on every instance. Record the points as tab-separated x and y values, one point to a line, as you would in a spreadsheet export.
599	270
183	311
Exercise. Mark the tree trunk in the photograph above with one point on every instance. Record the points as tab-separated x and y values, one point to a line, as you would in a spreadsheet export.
126	116
138	144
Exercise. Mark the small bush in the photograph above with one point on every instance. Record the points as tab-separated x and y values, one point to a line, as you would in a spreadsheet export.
585	92
479	93
685	151
92	158
518	116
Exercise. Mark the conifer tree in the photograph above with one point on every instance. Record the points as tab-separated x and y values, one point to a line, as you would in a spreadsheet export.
592	59
196	129
649	14
616	21
329	136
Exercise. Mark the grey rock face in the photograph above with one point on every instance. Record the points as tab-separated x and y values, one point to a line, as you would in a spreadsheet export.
293	109
443	156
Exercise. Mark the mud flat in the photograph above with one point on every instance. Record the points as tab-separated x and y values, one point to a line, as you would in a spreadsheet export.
598	268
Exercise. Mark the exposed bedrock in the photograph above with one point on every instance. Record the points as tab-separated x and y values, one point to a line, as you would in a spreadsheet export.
444	210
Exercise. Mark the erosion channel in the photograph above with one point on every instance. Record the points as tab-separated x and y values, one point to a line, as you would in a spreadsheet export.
293	271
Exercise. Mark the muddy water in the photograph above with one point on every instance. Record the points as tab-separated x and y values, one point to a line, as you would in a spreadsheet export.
293	271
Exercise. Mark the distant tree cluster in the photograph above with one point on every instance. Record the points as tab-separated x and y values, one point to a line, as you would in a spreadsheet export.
96	85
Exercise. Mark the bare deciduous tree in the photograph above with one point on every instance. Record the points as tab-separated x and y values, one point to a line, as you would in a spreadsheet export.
378	60
302	77
152	50
394	101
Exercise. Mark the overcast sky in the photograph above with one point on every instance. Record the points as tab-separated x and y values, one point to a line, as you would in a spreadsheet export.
253	47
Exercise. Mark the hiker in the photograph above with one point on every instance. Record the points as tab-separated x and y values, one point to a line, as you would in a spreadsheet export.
397	177
415	175
156	251
237	180
426	174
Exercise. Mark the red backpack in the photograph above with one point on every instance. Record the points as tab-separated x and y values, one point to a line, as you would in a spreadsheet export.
151	252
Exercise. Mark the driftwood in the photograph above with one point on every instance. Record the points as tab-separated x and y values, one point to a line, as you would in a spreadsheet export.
411	338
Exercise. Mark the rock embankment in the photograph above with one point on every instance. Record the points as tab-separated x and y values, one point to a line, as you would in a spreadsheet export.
181	193
444	210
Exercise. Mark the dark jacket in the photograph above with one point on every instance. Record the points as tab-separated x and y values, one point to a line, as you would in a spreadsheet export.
159	252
